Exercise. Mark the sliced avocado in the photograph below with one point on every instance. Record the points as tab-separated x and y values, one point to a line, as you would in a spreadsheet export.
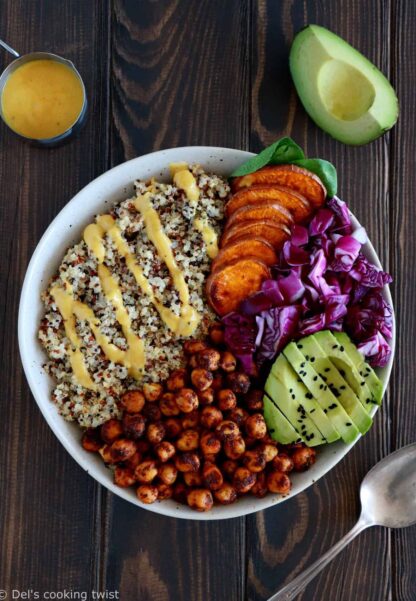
338	386
280	429
303	400
293	411
341	90
350	368
367	372
320	390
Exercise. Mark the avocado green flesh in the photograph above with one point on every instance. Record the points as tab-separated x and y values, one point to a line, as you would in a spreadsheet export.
294	412
320	390
341	90
280	429
338	386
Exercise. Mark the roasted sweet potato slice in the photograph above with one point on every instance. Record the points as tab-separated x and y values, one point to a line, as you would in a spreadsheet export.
227	287
297	204
301	180
243	248
266	211
276	234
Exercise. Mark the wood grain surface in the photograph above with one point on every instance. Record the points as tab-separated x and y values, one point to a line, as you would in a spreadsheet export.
209	72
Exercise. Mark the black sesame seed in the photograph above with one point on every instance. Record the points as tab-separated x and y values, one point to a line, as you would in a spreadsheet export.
327	369
272	430
342	349
309	395
311	436
290	389
302	364
315	378
343	387
342	372
333	406
312	410
334	346
348	424
325	411
362	383
300	345
293	397
321	386
307	357
312	359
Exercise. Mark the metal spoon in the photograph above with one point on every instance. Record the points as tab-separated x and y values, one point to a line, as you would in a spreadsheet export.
388	498
9	49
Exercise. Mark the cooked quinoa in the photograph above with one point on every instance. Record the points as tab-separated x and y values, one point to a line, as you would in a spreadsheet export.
163	349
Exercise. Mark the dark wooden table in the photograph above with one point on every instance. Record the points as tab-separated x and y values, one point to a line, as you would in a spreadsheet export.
212	72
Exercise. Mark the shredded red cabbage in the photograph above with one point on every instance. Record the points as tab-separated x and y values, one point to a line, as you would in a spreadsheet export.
322	281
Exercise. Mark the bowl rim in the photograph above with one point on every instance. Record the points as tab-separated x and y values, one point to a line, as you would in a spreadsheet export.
84	459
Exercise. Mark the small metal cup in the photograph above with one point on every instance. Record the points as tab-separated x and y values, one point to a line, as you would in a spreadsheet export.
79	122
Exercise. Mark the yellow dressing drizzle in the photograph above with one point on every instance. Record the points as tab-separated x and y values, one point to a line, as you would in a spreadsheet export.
185	180
209	236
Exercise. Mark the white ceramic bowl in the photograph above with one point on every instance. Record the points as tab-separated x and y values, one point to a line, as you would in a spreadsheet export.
65	230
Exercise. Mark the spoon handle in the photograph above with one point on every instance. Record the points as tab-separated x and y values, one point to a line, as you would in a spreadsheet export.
291	590
9	49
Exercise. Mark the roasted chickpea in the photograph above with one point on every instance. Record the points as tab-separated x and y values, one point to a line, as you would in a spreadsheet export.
210	443
205	397
155	432
216	333
146	471
227	430
147	493
228	362
152	412
282	463
254	460
111	430
210	417
192	478
91	441
165	450
143	446
164	491
217	382
173	427
132	401
187	400
201	378
200	499
191	347
269	450
226	399
260	489
168	405
192	363
124	477
134	425
228	467
278	482
303	459
133	461
106	454
226	494
167	473
234	447
208	359
254	400
212	476
180	492
176	380
152	391
122	449
187	462
188	440
238	382
256	426
237	415
243	480
190	420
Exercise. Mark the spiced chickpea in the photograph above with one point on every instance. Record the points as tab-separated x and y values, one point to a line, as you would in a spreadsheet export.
243	480
226	494
124	477
208	359
238	382
132	401
146	471
111	430
254	400
256	426
260	489
134	425
210	444
192	479
164	450
269	451
217	382
228	362
187	400
228	467
147	493
234	447
122	449
190	420
210	417
191	347
187	462
91	441
227	429
173	427
200	499
206	397
201	378
282	463
188	440
278	482
156	432
167	473
180	492
216	333
152	412
133	461
176	380
152	391
254	460
168	405
303	458
212	476
226	399
164	491
106	454
192	363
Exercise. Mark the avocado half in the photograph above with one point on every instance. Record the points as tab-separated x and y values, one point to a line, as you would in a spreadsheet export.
341	90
